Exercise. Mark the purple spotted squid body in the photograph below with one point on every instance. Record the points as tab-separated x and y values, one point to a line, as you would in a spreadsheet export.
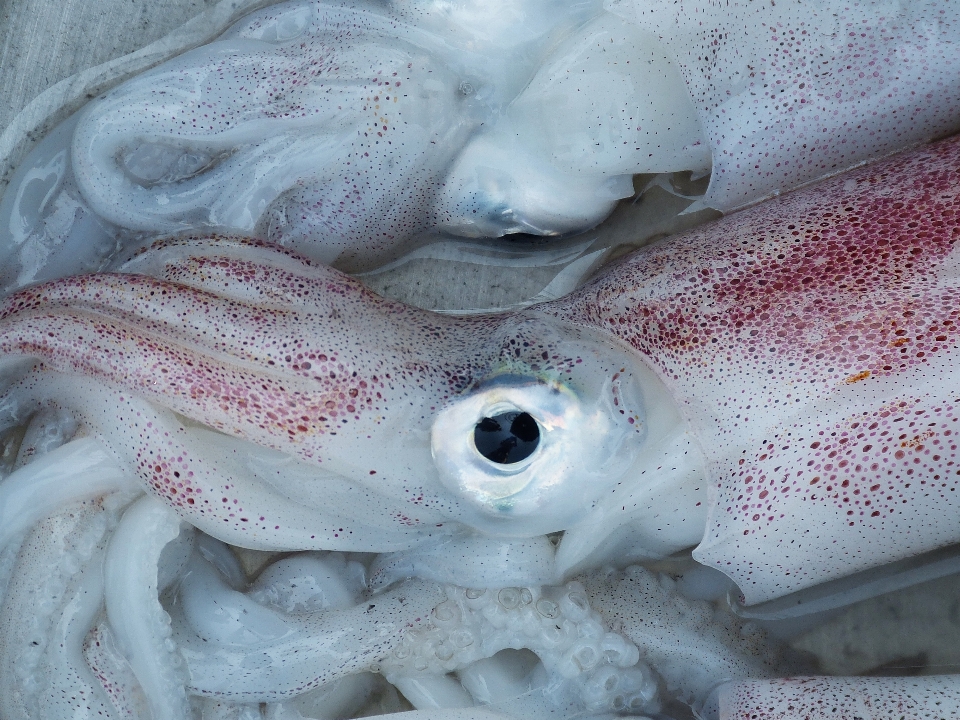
811	344
277	352
806	343
775	388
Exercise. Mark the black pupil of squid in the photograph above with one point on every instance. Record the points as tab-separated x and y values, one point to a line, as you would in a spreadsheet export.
507	438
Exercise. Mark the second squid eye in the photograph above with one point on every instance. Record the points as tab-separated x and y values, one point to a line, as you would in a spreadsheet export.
507	438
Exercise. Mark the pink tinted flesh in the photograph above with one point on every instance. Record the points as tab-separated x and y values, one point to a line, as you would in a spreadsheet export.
811	343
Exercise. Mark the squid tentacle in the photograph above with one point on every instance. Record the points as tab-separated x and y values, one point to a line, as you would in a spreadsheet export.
153	305
73	685
201	477
437	630
467	560
598	667
318	648
79	470
139	623
694	646
56	565
308	397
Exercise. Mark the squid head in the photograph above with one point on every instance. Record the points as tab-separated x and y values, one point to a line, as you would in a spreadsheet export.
401	423
558	417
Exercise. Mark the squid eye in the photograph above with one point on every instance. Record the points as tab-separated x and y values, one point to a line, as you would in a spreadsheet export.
507	438
523	454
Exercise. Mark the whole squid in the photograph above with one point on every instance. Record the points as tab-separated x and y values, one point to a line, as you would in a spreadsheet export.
775	388
351	131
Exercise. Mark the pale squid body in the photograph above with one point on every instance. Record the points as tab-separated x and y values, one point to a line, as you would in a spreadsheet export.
787	92
349	131
777	387
794	358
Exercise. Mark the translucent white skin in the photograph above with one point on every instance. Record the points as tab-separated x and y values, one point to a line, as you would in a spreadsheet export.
80	470
683	346
476	561
533	123
327	127
240	650
604	105
311	582
791	91
372	471
663	285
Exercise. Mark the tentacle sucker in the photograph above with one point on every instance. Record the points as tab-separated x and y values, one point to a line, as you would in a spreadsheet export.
693	645
139	623
554	622
54	595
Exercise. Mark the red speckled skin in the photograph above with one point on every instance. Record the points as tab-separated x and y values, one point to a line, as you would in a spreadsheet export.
830	698
270	349
810	341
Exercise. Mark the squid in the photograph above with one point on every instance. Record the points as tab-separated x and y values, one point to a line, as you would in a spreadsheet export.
775	389
141	616
353	132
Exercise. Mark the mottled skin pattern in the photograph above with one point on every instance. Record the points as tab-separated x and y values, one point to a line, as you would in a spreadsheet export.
776	116
810	342
272	354
325	126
